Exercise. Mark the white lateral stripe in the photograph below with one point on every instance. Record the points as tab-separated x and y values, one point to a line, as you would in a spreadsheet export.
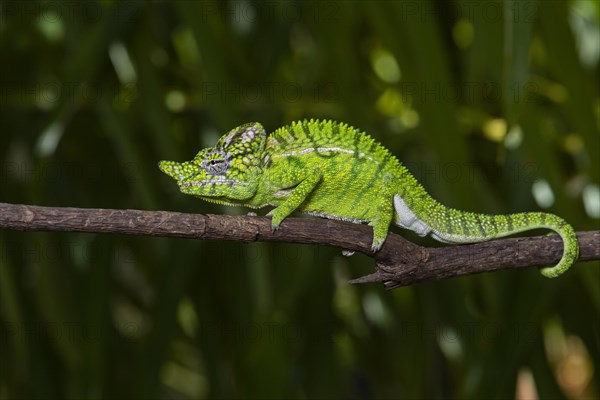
334	149
320	150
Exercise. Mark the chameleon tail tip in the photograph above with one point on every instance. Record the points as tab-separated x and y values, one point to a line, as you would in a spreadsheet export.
570	250
550	272
563	265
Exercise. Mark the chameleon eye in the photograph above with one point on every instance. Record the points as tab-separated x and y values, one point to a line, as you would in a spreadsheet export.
216	162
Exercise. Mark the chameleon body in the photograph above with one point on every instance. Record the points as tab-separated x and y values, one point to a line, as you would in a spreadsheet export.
334	171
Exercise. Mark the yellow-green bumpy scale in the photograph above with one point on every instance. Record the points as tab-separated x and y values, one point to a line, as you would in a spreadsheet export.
334	171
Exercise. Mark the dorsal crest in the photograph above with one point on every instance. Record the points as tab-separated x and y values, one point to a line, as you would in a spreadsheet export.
308	130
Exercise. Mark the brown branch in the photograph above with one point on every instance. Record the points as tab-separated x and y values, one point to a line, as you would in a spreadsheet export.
398	263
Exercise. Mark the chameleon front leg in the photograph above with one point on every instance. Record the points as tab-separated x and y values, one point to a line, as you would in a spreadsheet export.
385	212
308	179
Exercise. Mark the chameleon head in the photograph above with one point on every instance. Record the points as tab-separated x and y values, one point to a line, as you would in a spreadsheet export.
232	162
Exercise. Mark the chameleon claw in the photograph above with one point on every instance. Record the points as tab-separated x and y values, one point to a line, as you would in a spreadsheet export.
376	246
377	240
275	221
274	224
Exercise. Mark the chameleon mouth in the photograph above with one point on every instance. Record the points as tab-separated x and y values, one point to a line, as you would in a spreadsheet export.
212	183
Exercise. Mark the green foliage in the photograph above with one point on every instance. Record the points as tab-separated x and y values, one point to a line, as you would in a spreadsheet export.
494	106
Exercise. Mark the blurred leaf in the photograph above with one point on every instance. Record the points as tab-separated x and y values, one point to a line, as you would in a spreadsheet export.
480	100
519	18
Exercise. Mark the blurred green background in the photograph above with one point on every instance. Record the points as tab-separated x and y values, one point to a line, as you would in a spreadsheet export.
493	105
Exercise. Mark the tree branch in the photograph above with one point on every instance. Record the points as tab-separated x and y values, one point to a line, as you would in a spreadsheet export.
398	263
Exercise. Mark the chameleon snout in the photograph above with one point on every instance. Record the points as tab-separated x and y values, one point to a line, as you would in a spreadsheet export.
179	171
170	168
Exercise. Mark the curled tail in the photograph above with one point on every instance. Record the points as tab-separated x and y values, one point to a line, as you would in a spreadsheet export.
468	227
454	226
570	251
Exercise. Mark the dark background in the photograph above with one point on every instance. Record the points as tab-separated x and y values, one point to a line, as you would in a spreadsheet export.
493	105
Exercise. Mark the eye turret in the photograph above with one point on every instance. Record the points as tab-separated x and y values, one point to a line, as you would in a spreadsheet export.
216	162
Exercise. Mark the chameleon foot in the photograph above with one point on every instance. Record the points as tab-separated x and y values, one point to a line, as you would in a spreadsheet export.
275	221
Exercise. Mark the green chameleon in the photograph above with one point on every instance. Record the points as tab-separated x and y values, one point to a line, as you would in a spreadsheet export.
335	171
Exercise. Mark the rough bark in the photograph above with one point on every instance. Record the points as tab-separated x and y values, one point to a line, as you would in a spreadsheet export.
399	262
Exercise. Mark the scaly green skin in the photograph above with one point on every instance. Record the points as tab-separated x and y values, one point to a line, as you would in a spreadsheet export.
335	171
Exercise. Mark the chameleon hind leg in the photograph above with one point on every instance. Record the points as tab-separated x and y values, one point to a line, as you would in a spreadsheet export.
385	212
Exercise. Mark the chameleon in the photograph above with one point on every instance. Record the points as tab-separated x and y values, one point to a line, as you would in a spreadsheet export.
332	170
